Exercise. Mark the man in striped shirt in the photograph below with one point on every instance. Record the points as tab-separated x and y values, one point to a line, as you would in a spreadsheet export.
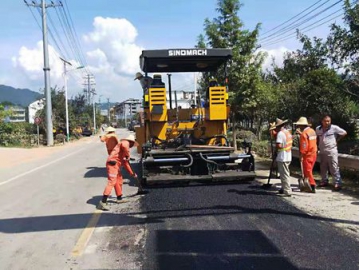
328	136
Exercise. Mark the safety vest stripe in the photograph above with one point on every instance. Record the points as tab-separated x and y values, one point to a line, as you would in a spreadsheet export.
289	142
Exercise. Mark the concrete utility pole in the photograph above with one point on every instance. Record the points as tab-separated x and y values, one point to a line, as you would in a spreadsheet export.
94	112
66	96
108	100
49	124
66	99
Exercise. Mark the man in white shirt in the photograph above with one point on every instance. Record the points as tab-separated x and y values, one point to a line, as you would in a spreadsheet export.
283	158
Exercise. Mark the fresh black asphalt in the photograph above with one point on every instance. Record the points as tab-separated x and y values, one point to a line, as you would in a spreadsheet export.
239	226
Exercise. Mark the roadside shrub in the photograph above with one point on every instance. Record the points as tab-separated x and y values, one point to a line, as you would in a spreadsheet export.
60	138
260	148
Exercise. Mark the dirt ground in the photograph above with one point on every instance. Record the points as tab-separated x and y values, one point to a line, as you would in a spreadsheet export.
339	208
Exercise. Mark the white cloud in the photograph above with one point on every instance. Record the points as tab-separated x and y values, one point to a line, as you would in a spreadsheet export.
114	40
277	54
112	56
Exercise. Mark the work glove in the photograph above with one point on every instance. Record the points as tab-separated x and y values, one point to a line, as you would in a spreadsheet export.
112	162
134	175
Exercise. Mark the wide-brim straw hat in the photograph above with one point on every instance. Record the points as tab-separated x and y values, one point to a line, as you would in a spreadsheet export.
138	75
272	126
110	129
131	138
280	122
302	122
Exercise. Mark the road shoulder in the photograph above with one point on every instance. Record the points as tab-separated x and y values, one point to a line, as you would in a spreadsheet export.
338	207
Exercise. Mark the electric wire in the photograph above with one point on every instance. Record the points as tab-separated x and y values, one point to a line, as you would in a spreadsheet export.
291	18
53	28
293	36
305	28
74	41
77	37
67	34
287	29
51	34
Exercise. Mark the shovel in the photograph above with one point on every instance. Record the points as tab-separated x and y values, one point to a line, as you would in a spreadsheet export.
301	179
140	191
304	184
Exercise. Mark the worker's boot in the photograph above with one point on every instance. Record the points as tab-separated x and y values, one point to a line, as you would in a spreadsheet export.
313	188
103	206
120	200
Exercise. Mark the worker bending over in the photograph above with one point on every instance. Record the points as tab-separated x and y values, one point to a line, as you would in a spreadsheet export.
118	157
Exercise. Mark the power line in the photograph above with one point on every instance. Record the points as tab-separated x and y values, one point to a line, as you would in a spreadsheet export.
293	26
307	28
77	38
291	18
304	28
72	34
293	36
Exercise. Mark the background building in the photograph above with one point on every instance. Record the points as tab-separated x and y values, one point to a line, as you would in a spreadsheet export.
33	108
127	109
183	99
18	114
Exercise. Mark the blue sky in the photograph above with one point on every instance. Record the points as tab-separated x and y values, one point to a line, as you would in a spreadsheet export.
112	34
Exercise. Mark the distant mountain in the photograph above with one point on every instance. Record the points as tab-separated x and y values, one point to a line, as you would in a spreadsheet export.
22	97
105	106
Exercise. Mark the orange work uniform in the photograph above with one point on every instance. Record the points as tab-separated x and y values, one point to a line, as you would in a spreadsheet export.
118	157
110	140
308	150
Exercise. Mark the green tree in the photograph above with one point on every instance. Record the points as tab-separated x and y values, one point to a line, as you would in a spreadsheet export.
343	44
4	113
244	69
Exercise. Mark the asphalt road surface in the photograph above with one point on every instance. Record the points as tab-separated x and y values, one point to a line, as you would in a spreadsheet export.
48	220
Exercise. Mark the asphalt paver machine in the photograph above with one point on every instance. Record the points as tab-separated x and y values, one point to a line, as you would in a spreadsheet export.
188	144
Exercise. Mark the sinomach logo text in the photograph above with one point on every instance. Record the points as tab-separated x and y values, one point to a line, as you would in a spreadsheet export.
187	52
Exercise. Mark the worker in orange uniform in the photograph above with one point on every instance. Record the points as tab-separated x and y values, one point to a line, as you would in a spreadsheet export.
308	150
110	139
118	157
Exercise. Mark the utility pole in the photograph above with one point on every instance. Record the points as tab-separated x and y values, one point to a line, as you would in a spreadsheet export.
66	96
49	124
108	100
88	82
66	100
90	95
94	111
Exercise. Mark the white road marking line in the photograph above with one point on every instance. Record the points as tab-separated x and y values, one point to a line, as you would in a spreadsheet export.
40	167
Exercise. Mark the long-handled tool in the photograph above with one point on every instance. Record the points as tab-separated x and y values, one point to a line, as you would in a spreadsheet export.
273	156
301	179
304	184
141	190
